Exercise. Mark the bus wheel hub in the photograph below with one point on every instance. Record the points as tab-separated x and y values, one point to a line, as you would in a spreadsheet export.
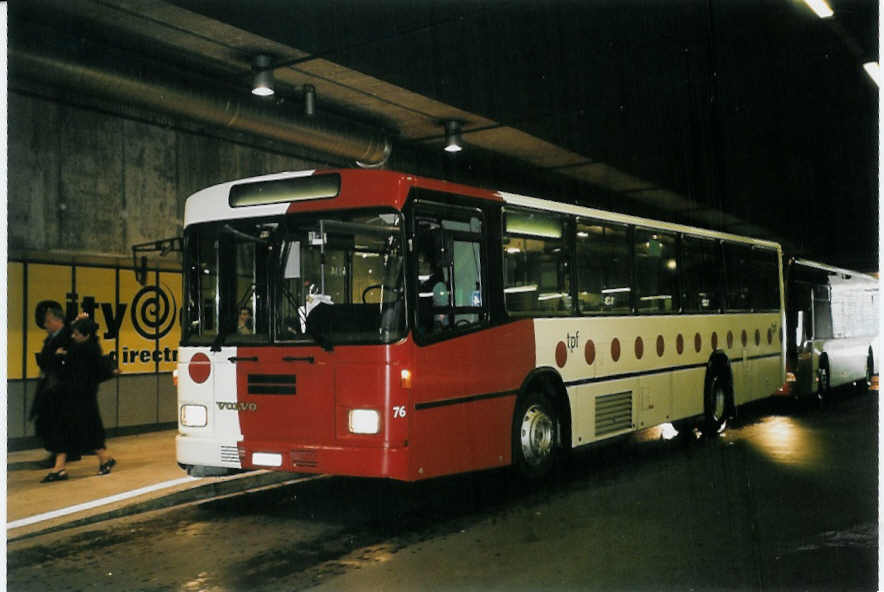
536	435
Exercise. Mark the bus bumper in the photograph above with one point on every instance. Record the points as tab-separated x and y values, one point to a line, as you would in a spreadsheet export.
354	461
193	451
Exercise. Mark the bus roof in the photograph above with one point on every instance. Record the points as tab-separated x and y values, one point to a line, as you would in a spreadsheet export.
581	211
362	188
851	274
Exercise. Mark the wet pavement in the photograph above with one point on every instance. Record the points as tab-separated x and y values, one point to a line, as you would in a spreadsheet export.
784	500
146	478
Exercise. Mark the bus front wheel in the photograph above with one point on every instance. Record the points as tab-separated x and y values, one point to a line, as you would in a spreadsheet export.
535	435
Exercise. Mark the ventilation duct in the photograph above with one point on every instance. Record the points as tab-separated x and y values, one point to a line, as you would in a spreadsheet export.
193	98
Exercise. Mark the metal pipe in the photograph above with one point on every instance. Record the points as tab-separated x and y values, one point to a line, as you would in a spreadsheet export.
146	88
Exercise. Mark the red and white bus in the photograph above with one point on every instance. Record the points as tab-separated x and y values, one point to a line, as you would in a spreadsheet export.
407	328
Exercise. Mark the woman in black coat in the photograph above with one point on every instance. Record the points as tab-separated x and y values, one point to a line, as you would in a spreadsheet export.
78	423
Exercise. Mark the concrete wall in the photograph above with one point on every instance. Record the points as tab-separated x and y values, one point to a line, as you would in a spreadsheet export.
84	181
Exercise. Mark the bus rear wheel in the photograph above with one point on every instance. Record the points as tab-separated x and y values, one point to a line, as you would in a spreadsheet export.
863	385
715	406
824	384
535	436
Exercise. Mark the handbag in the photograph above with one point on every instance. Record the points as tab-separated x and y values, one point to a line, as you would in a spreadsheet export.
107	367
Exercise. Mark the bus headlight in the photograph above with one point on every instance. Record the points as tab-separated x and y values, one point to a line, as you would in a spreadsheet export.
364	421
194	416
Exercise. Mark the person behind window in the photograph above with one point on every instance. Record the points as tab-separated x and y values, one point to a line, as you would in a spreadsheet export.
435	290
244	321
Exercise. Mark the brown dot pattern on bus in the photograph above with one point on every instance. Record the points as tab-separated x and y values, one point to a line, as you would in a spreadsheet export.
589	352
561	354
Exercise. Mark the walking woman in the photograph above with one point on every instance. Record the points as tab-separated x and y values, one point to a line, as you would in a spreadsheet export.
79	428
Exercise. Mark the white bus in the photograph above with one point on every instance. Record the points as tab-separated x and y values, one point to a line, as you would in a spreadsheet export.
832	320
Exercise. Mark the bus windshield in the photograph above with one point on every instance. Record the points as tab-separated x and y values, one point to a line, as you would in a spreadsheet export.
328	279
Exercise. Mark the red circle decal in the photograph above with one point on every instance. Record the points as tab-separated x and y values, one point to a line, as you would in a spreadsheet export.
199	367
744	338
615	349
698	342
757	337
561	354
661	346
714	340
589	352
679	344
639	348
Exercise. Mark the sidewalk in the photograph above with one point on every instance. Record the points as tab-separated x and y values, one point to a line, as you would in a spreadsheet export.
145	478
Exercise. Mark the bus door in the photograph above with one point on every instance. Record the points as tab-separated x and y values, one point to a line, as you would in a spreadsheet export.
800	345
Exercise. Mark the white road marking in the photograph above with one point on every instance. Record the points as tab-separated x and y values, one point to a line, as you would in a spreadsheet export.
97	503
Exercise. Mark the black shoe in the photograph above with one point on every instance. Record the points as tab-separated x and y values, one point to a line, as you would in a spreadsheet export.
55	476
106	467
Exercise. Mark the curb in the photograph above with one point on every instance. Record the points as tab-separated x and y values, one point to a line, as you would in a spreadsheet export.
215	487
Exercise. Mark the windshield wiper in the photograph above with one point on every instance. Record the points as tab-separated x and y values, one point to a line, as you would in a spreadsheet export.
244	235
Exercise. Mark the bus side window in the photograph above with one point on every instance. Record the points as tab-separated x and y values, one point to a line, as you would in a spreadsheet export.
701	273
822	313
537	272
766	279
656	271
604	268
738	266
448	253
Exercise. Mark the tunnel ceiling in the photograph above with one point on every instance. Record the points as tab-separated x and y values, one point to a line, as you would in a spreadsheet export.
752	116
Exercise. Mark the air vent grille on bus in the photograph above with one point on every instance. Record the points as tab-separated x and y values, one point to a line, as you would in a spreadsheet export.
272	384
305	458
229	454
613	413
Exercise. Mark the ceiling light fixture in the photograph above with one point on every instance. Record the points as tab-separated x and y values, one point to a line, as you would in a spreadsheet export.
263	84
820	7
452	136
874	71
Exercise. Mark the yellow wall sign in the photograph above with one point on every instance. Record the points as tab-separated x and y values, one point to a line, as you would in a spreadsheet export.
140	324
